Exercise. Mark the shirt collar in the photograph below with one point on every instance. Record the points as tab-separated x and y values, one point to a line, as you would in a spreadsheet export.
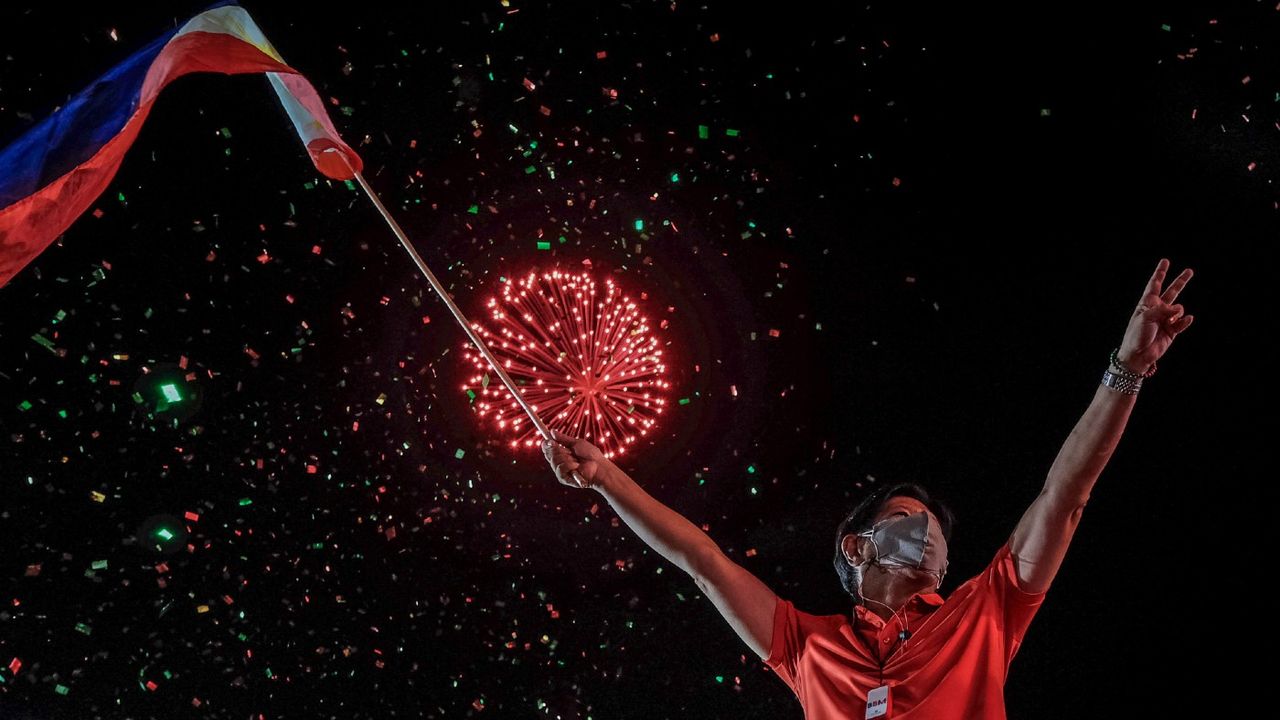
932	600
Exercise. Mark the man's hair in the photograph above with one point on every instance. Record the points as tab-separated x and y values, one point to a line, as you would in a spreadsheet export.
862	517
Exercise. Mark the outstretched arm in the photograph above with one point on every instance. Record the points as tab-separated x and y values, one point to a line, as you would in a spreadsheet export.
744	601
1040	540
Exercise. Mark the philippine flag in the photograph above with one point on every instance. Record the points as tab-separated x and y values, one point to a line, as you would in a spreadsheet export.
51	174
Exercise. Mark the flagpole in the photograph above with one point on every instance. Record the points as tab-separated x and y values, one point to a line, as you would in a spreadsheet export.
457	314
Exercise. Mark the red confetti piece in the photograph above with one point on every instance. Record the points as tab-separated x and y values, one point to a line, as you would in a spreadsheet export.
528	85
774	332
193	517
15	665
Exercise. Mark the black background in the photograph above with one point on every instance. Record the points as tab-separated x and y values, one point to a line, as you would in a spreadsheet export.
1044	161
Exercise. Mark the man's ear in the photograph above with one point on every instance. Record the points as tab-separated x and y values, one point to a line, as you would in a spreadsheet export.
849	544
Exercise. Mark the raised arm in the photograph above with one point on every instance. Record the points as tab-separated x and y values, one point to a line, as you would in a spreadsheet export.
745	602
1040	540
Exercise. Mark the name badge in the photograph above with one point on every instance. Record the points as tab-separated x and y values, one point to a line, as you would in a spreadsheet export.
879	703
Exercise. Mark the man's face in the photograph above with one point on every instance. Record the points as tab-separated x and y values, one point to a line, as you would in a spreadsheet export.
935	554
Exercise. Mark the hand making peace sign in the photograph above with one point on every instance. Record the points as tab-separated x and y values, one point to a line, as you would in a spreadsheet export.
1156	321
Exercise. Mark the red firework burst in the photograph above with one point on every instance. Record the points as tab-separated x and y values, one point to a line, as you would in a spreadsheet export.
585	360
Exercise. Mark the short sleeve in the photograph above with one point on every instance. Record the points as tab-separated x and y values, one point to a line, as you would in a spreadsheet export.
784	652
1017	605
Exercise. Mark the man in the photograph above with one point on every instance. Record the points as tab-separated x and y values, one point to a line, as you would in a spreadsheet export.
905	652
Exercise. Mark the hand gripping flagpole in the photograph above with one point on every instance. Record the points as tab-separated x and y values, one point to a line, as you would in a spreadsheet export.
457	314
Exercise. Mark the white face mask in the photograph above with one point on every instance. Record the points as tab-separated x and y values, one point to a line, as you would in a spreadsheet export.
903	542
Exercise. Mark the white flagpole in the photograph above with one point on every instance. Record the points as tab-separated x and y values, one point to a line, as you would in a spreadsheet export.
457	314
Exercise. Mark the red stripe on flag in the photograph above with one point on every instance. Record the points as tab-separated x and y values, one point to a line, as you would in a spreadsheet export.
30	225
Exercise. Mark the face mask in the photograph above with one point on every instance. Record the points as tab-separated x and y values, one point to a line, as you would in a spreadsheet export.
903	542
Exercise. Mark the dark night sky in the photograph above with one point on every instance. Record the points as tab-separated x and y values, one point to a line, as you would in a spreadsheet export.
946	275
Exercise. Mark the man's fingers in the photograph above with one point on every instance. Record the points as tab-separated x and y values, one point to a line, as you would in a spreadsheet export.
1175	287
1182	324
1157	277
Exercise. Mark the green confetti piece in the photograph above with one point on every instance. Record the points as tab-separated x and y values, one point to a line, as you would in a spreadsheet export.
99	565
309	186
471	394
245	501
25	405
120	197
59	316
347	110
350	185
164	534
1166	28
81	627
719	678
684	401
1044	112
751	469
530	170
544	245
754	491
731	132
61	689
44	342
459	453
474	209
171	393
639	225
514	129
62	414
563	240
675	177
704	132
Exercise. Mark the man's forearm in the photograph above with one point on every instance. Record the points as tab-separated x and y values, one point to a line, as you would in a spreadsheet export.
1039	542
1089	447
663	529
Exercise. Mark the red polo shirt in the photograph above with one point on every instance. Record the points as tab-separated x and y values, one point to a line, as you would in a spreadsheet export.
953	665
